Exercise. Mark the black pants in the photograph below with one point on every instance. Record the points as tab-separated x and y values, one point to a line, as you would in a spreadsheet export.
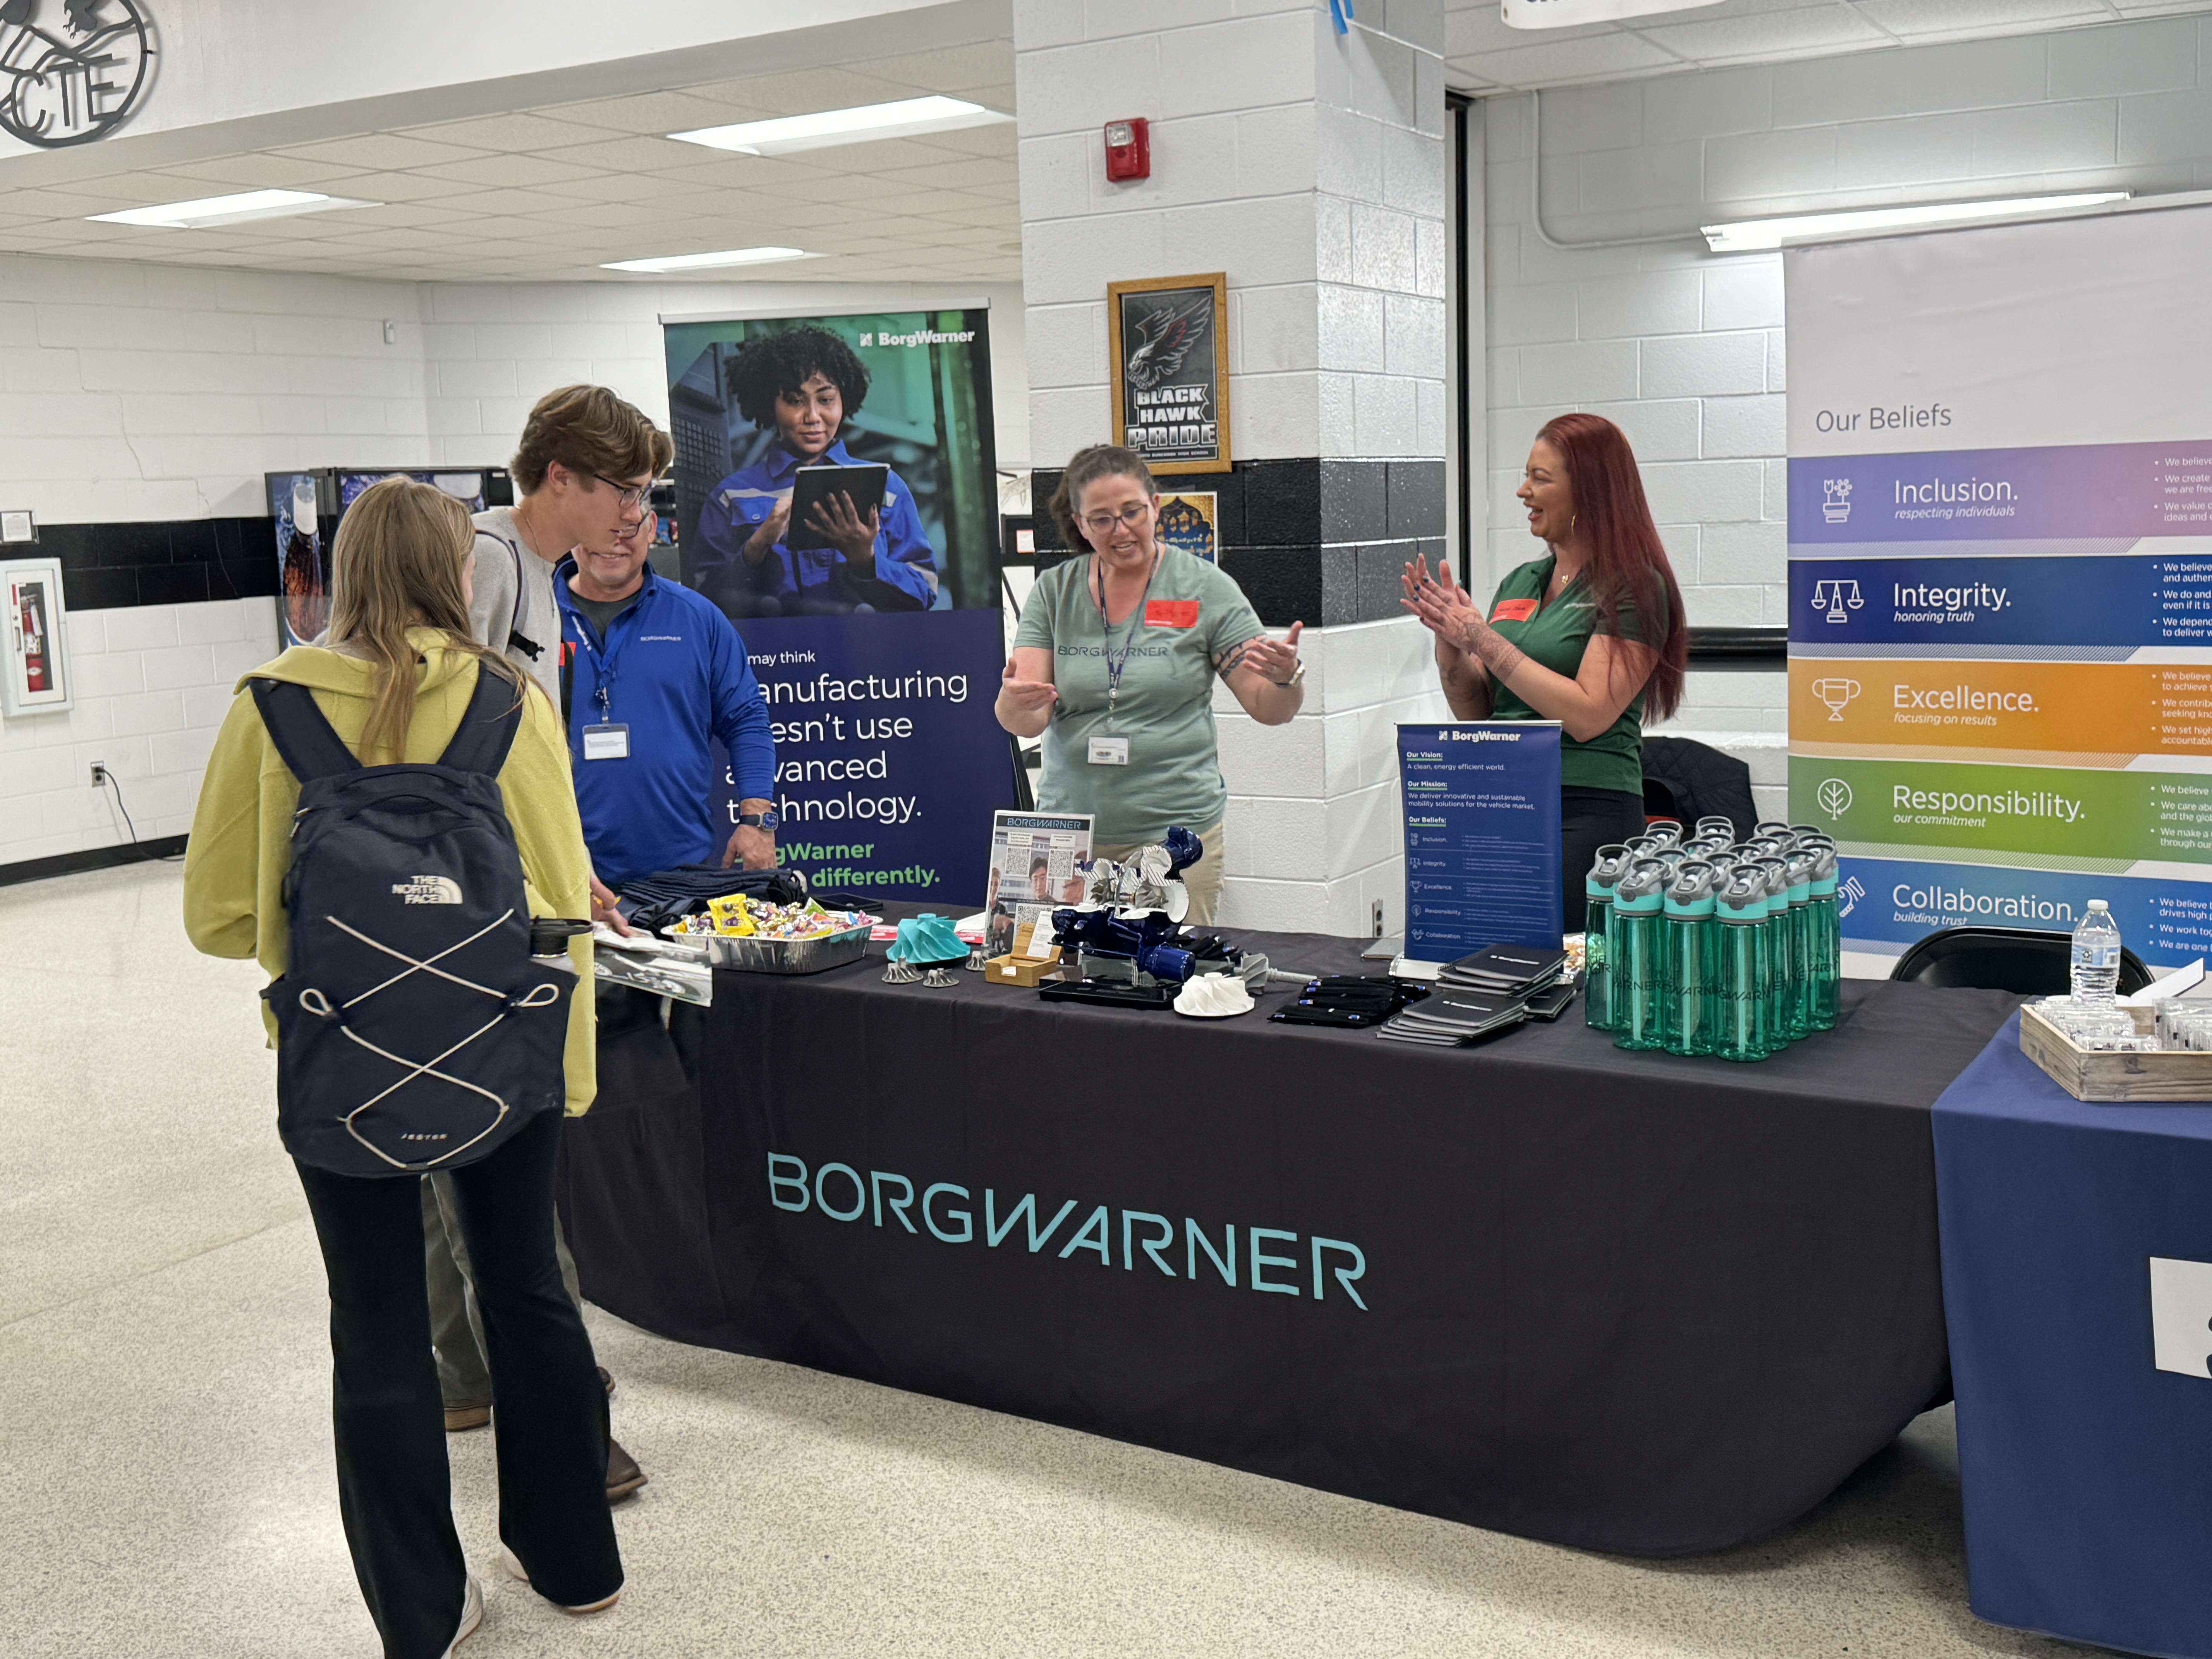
394	1493
1590	819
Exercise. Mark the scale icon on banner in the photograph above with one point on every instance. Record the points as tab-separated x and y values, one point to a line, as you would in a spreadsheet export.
1838	597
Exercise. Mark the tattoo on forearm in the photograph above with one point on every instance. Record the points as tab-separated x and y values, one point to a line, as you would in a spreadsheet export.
1499	654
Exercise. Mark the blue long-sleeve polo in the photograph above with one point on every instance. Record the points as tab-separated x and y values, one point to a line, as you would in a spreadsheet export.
675	673
906	564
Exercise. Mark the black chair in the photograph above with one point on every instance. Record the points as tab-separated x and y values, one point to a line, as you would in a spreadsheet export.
1687	780
2026	960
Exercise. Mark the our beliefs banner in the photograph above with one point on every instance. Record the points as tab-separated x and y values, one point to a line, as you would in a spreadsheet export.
2000	501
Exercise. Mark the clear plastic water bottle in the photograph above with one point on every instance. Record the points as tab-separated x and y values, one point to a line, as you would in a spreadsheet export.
1597	926
2096	957
1637	957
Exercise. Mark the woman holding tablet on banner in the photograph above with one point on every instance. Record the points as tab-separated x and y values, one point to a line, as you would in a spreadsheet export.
1591	635
1114	666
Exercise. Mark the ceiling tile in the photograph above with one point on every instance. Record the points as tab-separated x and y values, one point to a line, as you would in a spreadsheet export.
381	151
511	171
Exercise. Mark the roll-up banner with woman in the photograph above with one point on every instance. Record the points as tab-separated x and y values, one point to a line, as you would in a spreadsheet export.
837	496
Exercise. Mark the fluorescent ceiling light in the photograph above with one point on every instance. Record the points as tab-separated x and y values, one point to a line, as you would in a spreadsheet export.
207	211
1569	14
787	133
736	256
1751	235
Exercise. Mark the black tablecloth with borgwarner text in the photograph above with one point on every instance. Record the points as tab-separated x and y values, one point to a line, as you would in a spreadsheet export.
1624	1301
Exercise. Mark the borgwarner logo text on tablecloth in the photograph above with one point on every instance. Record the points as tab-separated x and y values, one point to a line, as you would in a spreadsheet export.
842	1193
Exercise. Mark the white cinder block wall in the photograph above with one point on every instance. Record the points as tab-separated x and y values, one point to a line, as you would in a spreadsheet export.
1685	349
130	392
1310	167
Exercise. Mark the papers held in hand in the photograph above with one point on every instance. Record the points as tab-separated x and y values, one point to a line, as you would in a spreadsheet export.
813	486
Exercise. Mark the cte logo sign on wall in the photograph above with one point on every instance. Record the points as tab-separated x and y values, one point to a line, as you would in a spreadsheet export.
70	71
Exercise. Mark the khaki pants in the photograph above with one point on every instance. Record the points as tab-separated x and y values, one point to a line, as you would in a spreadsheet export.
1203	877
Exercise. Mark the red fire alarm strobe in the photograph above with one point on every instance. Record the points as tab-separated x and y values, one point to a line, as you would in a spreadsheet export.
1128	151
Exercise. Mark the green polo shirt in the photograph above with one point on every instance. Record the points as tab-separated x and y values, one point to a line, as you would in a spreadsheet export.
1555	635
1200	617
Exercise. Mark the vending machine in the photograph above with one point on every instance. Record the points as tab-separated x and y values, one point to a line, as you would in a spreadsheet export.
305	509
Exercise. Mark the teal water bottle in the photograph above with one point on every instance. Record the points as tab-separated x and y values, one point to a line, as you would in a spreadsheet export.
1775	958
1693	946
1667	832
1740	908
1804	986
1771	827
1717	825
1597	892
1826	933
1636	958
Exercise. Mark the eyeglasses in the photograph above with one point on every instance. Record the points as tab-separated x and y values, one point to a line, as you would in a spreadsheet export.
1102	524
625	497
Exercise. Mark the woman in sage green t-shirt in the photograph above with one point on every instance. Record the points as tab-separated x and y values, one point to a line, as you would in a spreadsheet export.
1114	666
1590	635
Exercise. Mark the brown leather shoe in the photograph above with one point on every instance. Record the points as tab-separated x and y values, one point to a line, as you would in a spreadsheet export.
624	1475
459	1419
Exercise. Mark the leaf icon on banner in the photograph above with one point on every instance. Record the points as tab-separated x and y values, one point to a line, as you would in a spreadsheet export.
1835	798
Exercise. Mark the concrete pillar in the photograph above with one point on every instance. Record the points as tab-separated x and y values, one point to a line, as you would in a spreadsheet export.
1309	166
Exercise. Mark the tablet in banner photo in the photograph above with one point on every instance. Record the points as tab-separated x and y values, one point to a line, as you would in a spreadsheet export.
2074	709
2104	604
2049	811
1976	495
1885	904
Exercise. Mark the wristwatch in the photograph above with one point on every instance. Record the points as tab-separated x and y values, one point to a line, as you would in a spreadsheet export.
769	820
1297	677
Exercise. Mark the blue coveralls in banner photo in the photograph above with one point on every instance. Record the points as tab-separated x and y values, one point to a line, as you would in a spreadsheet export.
889	762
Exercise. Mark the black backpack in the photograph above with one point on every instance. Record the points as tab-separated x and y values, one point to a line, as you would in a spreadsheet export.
414	1032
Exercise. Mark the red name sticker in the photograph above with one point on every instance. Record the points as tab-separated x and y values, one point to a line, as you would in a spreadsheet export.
1172	613
1514	610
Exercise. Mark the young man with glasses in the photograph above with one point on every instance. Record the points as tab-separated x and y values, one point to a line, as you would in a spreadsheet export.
584	468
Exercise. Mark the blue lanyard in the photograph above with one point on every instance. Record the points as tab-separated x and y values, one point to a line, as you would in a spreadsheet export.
603	664
1114	664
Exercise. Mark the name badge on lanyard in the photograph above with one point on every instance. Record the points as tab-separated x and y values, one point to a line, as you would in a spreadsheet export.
606	743
1109	751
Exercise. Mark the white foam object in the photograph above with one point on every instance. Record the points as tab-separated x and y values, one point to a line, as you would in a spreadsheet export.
1213	995
2180	982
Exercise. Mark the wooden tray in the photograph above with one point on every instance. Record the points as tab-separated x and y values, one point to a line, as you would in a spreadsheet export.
2181	1074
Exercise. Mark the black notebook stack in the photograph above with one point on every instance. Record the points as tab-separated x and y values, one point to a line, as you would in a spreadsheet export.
1482	995
1518	971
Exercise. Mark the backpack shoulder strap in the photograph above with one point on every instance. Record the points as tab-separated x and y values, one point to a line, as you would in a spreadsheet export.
487	726
302	736
516	639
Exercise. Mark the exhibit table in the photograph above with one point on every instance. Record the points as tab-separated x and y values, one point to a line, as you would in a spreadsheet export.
1622	1300
2077	1274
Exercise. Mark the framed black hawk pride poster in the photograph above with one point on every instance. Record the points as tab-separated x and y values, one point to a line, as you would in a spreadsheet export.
1167	338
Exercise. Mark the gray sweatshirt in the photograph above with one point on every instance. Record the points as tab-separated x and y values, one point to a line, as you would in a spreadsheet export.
500	550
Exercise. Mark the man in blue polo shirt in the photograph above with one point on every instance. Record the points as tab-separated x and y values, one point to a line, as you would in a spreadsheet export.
804	383
655	672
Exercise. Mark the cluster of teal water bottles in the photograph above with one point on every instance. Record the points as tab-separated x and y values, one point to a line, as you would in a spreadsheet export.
1710	945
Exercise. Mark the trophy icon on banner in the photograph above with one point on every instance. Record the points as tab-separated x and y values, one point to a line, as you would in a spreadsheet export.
1836	500
1835	693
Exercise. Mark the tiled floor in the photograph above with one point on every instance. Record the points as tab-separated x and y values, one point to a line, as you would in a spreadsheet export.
167	1488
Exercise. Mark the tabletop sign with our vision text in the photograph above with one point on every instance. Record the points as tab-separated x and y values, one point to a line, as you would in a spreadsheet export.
1168	347
1481	801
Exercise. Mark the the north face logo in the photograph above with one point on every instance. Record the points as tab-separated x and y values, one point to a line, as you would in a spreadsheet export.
428	890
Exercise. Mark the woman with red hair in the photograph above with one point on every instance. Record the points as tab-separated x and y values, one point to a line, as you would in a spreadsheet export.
1591	635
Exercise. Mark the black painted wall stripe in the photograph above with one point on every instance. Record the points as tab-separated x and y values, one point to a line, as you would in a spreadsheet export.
112	567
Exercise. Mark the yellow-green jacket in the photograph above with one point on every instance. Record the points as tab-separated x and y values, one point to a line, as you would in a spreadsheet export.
240	843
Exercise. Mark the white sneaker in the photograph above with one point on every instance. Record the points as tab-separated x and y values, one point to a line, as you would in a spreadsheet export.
471	1615
516	1569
